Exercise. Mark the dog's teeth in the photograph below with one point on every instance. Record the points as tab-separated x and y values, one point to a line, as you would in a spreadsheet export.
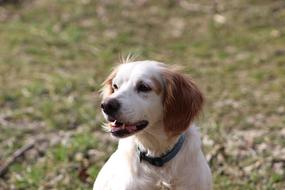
124	126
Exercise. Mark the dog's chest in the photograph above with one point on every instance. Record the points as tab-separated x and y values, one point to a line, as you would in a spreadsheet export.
153	185
153	178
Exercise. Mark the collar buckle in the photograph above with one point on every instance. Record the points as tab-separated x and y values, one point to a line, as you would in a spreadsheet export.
141	155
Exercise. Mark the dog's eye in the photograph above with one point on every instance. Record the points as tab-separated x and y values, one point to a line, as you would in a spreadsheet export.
115	87
143	87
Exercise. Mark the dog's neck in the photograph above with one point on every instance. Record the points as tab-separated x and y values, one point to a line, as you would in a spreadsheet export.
155	141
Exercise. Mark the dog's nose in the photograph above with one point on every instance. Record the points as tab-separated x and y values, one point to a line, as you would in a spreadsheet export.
111	106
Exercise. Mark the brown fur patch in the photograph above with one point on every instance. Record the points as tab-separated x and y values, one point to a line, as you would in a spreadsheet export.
182	102
107	84
157	85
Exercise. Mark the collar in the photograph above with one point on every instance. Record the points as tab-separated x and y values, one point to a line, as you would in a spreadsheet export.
160	161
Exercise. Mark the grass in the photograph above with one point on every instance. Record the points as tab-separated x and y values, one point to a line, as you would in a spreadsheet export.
55	54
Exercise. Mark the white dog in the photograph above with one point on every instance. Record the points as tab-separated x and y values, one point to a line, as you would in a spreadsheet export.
151	108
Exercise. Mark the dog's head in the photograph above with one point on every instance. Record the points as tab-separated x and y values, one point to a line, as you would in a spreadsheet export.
139	95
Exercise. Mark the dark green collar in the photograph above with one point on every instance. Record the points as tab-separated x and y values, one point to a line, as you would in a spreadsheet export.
160	161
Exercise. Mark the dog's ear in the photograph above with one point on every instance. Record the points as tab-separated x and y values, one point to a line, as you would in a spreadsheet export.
182	101
107	88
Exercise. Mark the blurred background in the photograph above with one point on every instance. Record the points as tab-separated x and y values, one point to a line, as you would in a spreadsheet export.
54	54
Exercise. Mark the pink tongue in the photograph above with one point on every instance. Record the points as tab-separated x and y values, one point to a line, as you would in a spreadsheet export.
129	128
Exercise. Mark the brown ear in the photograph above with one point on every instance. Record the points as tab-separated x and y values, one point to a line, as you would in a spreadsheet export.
182	102
107	84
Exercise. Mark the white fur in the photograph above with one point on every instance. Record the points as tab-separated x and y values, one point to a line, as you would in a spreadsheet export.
188	170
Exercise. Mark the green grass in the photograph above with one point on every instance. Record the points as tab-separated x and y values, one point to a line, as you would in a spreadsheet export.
55	54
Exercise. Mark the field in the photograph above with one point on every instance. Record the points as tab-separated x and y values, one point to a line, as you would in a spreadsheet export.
54	55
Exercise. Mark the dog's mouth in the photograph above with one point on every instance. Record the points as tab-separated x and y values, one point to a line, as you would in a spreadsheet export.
121	130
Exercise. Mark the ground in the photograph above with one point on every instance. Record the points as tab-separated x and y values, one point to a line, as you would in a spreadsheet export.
54	54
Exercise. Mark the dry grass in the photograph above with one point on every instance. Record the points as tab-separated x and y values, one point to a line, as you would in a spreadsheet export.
55	54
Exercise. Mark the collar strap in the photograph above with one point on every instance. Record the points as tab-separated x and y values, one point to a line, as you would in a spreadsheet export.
160	161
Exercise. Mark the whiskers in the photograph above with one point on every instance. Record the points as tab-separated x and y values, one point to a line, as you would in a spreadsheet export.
106	127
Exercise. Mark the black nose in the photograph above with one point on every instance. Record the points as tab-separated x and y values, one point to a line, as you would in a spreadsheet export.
111	106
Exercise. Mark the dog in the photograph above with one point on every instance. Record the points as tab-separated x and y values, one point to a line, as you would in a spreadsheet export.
151	109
